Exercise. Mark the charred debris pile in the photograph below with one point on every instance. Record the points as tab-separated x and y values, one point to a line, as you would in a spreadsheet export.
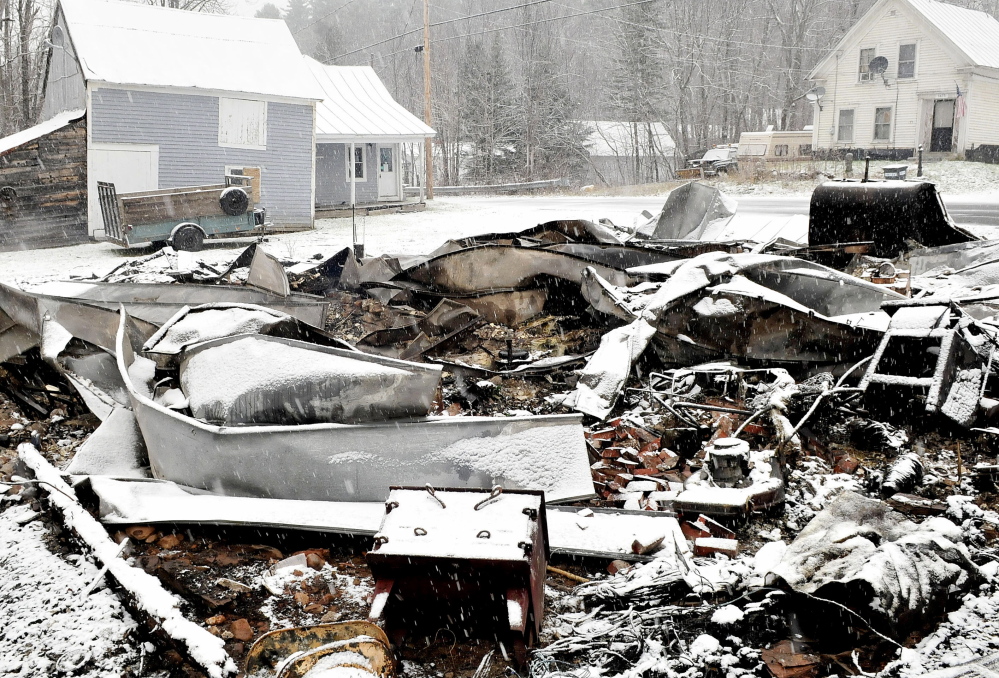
692	447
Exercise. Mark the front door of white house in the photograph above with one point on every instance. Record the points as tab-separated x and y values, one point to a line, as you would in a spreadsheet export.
388	181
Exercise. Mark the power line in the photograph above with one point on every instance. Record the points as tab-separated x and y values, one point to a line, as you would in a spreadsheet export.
324	16
529	23
444	23
708	38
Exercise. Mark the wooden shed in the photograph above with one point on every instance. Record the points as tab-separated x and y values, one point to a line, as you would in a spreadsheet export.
43	184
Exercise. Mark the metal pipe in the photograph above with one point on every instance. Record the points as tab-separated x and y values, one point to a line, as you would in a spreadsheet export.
713	408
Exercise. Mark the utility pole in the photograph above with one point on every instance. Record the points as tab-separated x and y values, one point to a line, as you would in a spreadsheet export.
428	149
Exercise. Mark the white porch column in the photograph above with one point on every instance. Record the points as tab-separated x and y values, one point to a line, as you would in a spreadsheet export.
353	175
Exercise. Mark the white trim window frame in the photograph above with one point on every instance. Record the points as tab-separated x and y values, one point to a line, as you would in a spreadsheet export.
864	74
242	123
841	127
907	72
882	123
360	161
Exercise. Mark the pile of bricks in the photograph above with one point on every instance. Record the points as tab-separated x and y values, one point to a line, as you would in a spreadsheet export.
633	469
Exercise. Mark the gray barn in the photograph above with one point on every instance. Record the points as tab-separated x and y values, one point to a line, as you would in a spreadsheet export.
176	98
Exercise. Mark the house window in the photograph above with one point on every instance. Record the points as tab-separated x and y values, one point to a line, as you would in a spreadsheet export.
805	149
360	167
866	55
845	126
882	124
906	61
243	123
780	150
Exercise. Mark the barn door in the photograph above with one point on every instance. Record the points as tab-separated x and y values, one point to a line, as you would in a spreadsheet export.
130	167
942	136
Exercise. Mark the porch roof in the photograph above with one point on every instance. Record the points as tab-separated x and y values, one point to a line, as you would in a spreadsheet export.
358	107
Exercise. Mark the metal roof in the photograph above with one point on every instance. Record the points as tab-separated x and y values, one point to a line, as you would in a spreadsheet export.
129	43
617	138
357	106
38	131
974	33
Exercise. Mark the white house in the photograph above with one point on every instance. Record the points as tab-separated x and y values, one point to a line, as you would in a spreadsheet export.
175	98
911	73
359	132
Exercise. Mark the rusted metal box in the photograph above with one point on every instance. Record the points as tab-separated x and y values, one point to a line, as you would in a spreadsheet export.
468	560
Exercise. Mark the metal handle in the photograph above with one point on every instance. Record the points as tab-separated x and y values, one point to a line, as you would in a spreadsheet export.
497	491
432	493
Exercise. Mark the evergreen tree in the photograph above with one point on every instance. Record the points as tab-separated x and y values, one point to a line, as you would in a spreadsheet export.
268	11
489	114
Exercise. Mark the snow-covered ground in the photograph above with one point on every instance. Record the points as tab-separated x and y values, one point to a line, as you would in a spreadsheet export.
953	178
411	233
47	626
422	232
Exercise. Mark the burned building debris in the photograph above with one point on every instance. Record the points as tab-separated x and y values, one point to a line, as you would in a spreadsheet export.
798	479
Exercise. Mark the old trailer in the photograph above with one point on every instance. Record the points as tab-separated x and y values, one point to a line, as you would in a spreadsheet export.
181	217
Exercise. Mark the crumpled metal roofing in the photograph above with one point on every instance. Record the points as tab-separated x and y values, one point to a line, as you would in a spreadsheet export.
358	106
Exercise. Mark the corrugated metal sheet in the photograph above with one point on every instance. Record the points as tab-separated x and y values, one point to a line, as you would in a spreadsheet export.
38	131
356	105
974	33
137	44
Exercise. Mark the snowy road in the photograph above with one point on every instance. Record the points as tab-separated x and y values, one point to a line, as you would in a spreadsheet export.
964	210
444	218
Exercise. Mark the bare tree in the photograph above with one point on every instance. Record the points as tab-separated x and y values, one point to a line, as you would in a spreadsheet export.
22	51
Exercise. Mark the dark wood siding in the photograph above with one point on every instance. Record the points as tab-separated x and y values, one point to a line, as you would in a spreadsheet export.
49	177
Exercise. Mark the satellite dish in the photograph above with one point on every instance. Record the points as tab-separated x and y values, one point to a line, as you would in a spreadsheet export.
815	93
878	65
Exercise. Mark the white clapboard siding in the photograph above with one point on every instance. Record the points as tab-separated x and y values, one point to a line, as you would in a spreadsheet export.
983	112
944	62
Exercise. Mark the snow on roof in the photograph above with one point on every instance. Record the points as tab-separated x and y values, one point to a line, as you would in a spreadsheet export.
612	137
136	44
38	131
973	32
356	105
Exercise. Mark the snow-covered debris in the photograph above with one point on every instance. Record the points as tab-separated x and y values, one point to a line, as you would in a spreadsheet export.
46	626
727	614
116	448
187	327
859	552
265	380
834	316
149	595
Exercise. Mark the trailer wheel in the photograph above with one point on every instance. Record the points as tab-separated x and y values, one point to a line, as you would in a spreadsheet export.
234	201
188	237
